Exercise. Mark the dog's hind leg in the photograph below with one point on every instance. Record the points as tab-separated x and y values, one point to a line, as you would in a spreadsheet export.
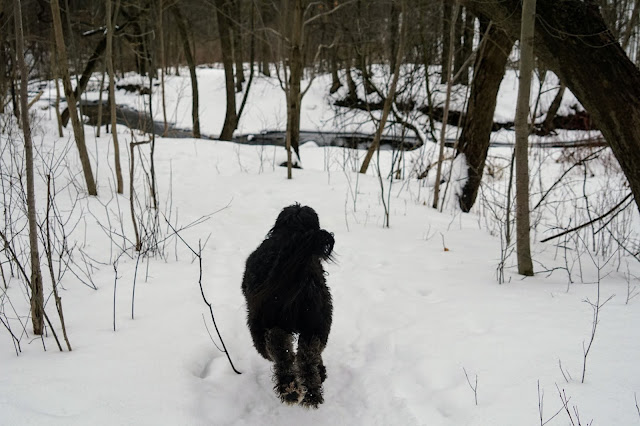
258	335
279	345
311	369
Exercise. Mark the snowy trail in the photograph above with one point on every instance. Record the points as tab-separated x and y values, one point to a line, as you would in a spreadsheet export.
409	316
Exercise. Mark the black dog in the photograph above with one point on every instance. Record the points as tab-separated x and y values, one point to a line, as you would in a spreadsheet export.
287	294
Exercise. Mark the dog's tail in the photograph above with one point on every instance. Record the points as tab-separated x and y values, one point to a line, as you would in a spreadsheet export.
294	255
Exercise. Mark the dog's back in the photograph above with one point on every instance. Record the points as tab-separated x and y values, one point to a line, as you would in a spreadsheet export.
284	282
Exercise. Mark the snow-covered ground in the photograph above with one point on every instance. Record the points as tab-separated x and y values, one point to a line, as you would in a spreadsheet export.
418	313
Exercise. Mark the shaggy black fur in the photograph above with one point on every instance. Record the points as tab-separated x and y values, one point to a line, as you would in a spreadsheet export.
287	294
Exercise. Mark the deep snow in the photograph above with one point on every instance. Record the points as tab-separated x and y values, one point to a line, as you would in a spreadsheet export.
410	317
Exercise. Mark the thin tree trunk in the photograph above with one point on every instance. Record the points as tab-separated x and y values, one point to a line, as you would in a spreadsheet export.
112	93
101	90
523	244
182	29
226	44
386	108
237	45
54	283
71	99
548	126
132	169
56	105
37	296
447	12
163	67
252	59
445	114
294	93
467	45
631	25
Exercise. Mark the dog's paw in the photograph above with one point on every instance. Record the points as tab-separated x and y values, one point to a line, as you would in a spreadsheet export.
312	399
289	392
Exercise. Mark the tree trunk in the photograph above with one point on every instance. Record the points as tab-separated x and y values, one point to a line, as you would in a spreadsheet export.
56	105
523	244
547	125
386	108
37	295
237	44
163	66
458	60
226	45
489	69
573	41
294	94
447	10
71	99
467	45
445	114
112	94
184	34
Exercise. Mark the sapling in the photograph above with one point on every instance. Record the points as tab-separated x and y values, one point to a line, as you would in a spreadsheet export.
474	387
596	307
541	408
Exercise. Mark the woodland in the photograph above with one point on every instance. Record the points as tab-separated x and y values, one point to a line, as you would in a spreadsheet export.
520	118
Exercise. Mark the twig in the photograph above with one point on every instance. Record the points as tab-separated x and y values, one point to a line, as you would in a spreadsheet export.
224	348
133	293
563	372
198	254
16	341
115	284
589	222
541	407
474	388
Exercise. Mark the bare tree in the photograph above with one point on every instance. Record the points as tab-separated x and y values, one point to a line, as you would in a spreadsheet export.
375	145
226	46
445	114
184	34
37	297
71	99
488	71
523	244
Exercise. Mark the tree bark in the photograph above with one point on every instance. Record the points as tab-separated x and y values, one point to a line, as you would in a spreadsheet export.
447	10
236	29
112	94
572	39
467	45
547	125
475	137
226	45
386	108
523	243
163	66
445	114
37	295
78	130
294	94
184	34
56	105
